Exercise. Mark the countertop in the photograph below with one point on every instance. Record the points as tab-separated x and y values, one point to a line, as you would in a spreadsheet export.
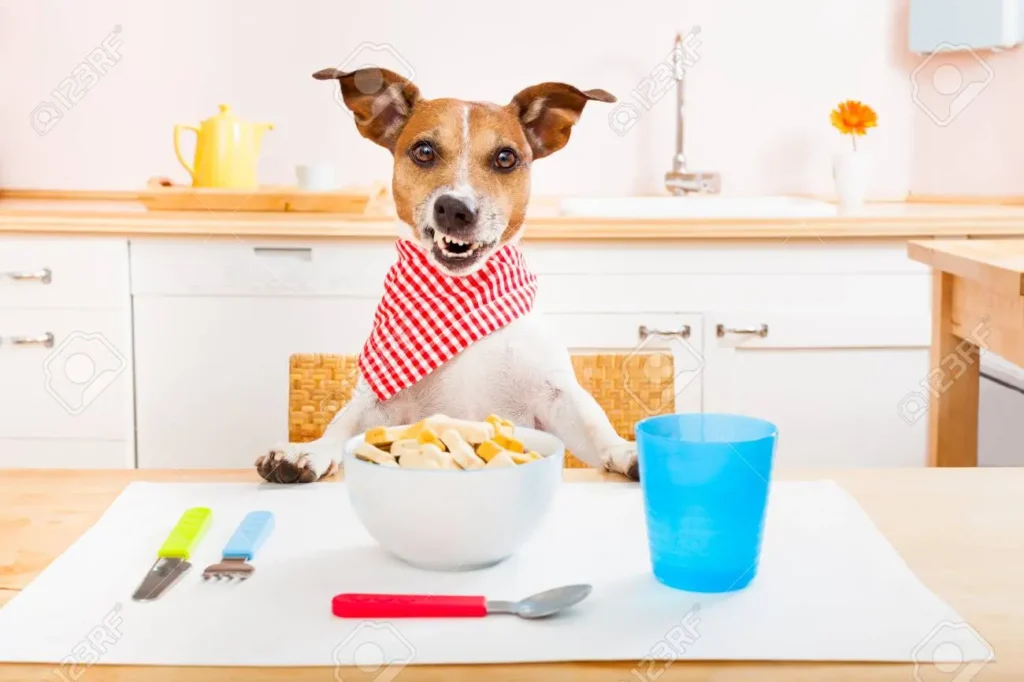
106	214
998	264
960	530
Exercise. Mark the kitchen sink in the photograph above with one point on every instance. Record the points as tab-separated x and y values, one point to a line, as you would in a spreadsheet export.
695	206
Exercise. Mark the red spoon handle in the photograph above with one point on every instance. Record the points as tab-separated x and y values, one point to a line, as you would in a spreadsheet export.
350	605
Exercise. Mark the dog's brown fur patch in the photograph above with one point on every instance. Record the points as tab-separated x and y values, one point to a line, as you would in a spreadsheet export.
548	112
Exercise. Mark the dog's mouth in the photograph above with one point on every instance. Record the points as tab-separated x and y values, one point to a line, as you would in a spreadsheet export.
453	253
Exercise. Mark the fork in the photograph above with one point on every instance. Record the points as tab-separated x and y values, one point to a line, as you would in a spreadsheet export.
241	548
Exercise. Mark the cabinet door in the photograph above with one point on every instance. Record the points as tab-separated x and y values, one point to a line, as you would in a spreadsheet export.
644	384
65	453
844	391
66	374
212	372
64	272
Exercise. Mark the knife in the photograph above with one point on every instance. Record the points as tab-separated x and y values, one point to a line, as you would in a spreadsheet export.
172	558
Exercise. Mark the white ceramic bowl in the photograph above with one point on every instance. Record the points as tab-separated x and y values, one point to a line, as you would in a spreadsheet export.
455	520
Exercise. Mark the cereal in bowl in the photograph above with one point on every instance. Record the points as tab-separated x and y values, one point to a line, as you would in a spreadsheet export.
441	442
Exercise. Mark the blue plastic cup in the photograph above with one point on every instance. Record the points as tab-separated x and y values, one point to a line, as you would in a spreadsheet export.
705	484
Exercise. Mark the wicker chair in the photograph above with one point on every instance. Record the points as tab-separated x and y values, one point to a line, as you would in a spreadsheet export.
628	386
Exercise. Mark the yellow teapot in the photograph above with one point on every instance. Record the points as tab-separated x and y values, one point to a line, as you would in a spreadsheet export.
227	151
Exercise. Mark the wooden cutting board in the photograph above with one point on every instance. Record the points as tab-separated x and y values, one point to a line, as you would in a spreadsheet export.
162	195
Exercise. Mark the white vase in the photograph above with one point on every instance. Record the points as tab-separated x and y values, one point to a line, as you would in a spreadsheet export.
849	170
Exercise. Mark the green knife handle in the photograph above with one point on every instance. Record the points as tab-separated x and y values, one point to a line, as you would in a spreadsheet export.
186	535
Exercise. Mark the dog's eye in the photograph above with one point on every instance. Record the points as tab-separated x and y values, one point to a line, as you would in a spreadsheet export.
505	159
423	154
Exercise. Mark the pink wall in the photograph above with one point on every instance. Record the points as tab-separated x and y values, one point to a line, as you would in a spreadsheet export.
766	77
975	146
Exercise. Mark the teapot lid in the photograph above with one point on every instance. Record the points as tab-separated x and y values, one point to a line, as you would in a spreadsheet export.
226	115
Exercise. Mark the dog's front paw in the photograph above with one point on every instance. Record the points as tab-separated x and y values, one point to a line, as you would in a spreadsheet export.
622	459
294	463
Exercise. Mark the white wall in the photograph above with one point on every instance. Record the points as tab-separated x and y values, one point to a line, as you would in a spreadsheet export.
758	99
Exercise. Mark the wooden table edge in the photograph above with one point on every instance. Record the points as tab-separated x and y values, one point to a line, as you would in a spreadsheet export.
977	268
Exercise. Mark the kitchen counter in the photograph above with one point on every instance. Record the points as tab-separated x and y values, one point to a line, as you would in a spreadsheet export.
960	530
127	217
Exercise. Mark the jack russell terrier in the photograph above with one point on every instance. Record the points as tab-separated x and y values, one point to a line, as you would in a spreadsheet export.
455	332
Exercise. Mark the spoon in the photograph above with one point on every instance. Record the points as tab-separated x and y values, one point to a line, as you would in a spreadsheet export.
540	605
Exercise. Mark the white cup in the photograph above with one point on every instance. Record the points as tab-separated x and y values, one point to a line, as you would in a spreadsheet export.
316	177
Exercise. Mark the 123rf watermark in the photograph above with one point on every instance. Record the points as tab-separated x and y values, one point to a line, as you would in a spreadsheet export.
948	80
367	61
951	367
676	642
80	368
951	652
91	649
660	368
376	649
658	83
83	78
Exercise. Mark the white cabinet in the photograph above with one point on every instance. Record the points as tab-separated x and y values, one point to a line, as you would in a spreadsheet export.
81	273
69	377
59	453
66	381
213	372
215	325
353	268
836	386
190	364
846	349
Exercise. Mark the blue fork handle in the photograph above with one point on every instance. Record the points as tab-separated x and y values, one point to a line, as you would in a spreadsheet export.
249	536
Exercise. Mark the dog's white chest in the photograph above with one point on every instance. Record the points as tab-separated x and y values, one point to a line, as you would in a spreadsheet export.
506	373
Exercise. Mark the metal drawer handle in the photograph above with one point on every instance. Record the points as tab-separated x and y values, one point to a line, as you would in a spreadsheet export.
683	332
44	276
301	253
762	331
46	340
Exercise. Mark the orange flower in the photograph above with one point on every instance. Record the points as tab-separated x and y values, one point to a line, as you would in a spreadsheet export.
854	118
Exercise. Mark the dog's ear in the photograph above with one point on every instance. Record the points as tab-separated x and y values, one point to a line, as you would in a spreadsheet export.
380	100
548	112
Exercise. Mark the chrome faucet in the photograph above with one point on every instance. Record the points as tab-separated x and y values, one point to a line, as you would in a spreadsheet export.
681	181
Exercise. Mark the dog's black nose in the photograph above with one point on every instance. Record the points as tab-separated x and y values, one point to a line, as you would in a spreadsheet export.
453	214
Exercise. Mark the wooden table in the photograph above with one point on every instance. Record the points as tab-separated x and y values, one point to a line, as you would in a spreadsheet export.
960	530
977	302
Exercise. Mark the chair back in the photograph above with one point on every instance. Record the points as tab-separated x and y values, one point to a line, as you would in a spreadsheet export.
628	387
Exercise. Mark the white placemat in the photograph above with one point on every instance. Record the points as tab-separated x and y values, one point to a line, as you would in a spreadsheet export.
830	587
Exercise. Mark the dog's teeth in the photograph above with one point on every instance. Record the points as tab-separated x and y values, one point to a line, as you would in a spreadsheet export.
447	244
465	254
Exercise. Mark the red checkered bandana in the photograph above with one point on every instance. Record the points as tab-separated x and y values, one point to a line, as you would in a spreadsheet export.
427	317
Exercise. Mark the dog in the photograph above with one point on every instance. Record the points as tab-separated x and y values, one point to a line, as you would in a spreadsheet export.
461	184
